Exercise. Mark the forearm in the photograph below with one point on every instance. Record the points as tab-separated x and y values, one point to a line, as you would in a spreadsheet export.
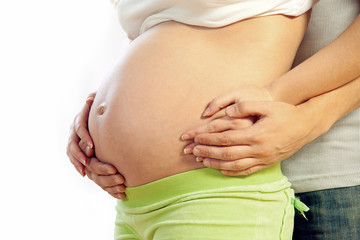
333	66
329	107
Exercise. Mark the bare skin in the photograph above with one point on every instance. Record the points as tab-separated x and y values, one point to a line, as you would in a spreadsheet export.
336	67
321	116
243	151
167	77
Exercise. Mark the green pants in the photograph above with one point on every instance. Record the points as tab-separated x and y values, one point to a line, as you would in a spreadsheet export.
204	204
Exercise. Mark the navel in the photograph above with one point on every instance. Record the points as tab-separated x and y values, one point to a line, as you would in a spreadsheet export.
101	109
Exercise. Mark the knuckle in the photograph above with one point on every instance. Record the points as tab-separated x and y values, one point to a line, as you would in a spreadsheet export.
241	123
248	171
71	139
208	163
98	180
90	165
256	138
78	155
211	163
91	176
227	155
211	127
235	122
110	190
200	139
229	172
264	151
72	155
77	127
72	151
224	140
116	179
120	189
206	152
237	165
109	170
121	196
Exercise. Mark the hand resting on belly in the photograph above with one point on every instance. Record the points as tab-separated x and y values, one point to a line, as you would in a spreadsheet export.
162	84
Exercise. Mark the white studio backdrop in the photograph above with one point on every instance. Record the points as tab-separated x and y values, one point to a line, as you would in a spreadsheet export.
52	54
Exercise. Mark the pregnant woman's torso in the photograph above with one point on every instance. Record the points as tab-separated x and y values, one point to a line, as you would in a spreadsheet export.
160	87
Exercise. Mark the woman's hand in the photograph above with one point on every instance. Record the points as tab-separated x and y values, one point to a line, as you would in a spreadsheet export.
78	131
278	132
106	176
80	150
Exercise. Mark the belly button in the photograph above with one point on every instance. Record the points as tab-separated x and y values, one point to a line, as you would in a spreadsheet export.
101	110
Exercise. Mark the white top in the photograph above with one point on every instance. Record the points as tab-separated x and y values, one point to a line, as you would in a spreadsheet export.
137	16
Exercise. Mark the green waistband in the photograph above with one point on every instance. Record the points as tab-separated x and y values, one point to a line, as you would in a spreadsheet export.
192	181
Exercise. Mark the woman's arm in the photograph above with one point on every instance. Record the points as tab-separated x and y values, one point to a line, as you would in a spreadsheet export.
280	131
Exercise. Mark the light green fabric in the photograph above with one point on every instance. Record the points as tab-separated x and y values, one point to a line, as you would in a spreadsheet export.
204	204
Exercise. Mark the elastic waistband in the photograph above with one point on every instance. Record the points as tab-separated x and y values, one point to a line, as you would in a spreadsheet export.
196	180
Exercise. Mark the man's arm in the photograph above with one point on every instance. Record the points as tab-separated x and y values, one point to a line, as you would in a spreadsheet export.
333	66
280	131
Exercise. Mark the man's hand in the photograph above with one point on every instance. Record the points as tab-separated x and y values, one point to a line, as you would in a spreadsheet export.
247	93
278	132
80	150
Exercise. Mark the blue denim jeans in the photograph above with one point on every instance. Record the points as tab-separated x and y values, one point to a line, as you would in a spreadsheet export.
334	215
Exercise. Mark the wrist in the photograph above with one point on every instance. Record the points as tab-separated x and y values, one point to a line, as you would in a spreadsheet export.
290	87
315	115
275	90
271	89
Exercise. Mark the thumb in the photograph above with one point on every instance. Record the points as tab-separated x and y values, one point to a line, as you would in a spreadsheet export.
245	109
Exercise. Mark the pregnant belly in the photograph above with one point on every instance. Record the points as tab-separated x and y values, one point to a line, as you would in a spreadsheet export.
162	84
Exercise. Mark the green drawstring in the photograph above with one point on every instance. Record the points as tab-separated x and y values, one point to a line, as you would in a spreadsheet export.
300	206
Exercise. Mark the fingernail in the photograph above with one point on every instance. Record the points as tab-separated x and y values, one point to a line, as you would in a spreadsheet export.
89	99
206	112
90	145
206	163
122	197
185	137
187	150
230	111
81	171
199	159
196	151
83	160
87	150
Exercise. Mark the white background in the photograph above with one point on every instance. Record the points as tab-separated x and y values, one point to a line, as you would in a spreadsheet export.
52	54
